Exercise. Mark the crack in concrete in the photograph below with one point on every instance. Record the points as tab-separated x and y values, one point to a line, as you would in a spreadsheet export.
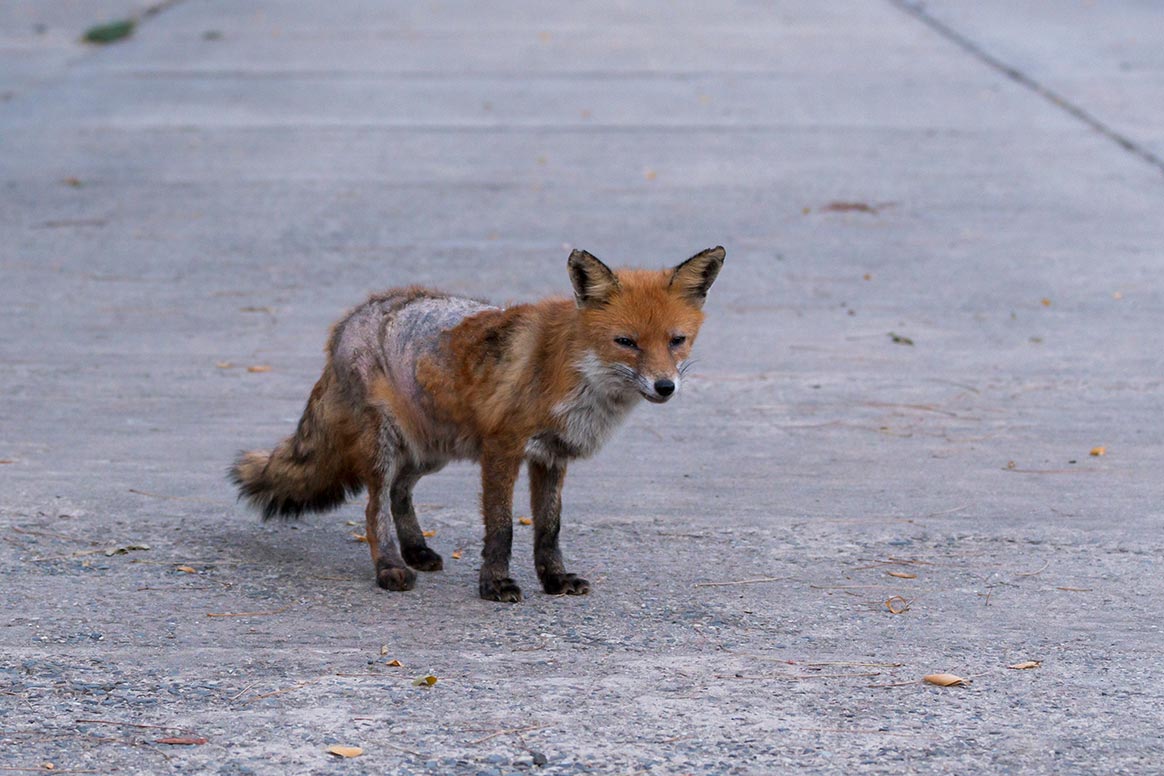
917	10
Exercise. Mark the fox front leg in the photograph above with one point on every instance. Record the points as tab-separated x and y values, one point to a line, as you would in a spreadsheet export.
545	495
498	474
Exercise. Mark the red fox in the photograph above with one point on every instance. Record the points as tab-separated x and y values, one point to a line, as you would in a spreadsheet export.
416	378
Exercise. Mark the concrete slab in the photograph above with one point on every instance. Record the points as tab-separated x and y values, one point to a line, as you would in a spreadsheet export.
176	209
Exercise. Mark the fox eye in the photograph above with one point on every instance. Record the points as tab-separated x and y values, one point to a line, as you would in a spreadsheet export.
626	342
678	340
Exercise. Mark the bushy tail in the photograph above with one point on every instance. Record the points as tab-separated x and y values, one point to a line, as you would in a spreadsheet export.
307	472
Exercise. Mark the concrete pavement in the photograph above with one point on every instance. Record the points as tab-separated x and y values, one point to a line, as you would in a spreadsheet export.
211	194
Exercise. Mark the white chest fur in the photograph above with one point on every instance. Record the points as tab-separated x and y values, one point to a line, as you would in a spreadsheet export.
588	415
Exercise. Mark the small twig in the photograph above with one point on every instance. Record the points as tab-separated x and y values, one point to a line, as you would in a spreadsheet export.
1040	570
240	693
412	752
896	684
79	554
507	732
853	730
175	498
798	677
756	581
948	511
853	663
50	534
46	770
249	614
128	724
286	689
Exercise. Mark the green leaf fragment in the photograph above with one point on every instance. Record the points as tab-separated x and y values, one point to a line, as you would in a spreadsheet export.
111	32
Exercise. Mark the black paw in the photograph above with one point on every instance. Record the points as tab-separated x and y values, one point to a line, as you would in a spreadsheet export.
565	584
504	589
422	558
395	577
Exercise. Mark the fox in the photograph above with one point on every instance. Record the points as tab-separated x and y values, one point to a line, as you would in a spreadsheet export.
415	378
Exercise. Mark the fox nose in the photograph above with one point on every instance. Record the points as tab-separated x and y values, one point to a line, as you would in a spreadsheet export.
664	387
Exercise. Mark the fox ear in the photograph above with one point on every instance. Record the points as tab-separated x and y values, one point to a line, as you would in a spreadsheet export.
594	282
694	277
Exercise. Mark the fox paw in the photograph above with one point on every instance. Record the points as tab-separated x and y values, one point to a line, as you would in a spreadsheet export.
423	559
565	584
395	577
504	589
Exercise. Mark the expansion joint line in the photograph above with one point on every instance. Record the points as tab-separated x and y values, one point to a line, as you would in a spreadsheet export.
917	10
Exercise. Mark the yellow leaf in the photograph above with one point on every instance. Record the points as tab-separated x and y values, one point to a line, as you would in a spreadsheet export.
187	569
944	680
1045	302
345	751
259	368
525	521
1098	451
394	663
901	574
1026	664
360	538
456	554
429	534
425	681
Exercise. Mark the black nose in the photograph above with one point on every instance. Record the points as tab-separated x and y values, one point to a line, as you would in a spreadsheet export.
664	387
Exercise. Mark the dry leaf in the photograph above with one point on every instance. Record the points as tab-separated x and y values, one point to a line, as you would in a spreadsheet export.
456	554
47	766
1098	451
360	538
1075	589
1117	295
428	534
525	521
181	741
944	680
897	605
223	364
650	174
394	663
187	569
425	681
901	574
345	751
1045	302
383	650
1026	664
259	368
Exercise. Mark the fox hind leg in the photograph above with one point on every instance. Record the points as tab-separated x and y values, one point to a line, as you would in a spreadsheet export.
413	547
392	573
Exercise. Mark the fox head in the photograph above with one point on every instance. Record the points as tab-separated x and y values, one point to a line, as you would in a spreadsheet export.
640	324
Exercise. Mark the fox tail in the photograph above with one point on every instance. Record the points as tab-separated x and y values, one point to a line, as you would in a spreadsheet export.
308	471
